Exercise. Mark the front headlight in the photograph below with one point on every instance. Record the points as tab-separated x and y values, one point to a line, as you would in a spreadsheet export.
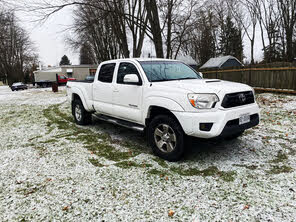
203	101
253	90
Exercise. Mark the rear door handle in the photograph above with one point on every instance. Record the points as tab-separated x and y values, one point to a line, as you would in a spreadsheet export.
115	90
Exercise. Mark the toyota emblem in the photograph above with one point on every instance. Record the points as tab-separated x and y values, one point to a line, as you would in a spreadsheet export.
242	98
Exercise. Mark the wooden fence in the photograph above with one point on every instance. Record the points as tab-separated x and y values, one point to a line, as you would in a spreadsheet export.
277	78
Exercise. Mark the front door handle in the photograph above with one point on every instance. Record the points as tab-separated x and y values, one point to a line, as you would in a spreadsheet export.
115	90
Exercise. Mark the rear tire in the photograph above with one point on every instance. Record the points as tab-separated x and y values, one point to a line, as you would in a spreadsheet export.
166	138
81	116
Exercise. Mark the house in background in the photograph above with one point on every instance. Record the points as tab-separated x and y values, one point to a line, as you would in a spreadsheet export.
188	60
222	62
78	72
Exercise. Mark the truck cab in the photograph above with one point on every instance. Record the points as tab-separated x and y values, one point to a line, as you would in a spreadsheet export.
62	79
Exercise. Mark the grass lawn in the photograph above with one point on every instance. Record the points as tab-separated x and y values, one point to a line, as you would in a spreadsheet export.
52	169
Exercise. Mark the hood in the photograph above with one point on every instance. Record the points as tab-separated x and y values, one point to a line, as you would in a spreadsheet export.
206	86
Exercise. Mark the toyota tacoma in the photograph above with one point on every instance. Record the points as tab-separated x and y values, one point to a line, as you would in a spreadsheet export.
165	98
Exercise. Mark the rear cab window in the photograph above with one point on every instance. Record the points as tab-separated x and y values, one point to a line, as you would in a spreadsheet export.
106	72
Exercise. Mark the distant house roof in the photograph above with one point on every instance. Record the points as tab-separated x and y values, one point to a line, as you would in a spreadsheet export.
59	69
50	69
220	62
187	59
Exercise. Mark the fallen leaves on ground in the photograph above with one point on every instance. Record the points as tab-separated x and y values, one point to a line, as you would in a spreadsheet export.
246	207
66	208
171	213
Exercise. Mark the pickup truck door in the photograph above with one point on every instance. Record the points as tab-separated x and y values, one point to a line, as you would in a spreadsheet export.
127	98
103	89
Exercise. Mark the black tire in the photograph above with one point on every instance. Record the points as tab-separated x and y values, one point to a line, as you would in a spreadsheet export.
85	117
158	125
234	136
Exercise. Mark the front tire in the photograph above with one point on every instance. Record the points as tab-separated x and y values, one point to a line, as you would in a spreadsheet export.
166	138
81	116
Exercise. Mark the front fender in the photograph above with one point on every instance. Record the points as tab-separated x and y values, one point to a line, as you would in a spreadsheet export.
163	102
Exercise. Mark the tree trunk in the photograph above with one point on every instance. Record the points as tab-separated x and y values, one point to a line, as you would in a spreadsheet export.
289	40
152	13
169	30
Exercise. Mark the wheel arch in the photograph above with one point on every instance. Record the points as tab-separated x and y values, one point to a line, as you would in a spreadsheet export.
154	111
156	105
78	94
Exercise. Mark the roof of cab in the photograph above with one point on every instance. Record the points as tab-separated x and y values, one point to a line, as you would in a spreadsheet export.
140	60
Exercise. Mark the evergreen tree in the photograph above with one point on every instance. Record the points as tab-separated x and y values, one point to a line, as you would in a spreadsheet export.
86	55
231	40
207	41
65	61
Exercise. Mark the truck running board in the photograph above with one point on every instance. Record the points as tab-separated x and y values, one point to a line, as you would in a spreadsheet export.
124	123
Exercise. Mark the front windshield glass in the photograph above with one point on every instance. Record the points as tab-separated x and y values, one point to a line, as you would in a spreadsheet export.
157	71
17	84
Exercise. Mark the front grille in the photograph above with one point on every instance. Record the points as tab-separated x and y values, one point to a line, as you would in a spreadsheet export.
238	99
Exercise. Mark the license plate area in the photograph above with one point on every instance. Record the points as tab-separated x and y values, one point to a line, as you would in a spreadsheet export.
244	118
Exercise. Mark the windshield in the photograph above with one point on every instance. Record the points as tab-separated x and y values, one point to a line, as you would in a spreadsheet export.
17	84
157	71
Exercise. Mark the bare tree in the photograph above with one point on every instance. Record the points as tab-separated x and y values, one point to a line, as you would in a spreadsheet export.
246	15
269	22
16	49
287	11
93	26
140	18
153	18
137	21
116	10
177	19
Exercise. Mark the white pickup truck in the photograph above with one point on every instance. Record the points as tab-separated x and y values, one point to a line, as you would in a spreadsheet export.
167	99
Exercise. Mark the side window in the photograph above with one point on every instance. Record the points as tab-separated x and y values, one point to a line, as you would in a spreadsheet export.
124	69
106	72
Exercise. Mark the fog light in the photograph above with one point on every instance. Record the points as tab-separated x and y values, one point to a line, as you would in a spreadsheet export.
205	126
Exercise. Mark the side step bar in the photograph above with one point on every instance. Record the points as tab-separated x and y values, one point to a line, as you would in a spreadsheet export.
124	123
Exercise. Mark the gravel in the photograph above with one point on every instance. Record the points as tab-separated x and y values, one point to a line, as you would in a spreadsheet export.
51	169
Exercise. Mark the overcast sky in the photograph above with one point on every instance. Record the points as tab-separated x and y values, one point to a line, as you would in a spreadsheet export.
49	38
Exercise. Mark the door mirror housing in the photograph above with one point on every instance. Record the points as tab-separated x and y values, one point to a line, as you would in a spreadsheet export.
132	79
201	75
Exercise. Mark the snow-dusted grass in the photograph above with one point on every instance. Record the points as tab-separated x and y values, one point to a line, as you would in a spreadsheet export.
52	169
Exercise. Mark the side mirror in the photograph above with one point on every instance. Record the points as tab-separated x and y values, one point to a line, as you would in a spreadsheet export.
132	79
201	74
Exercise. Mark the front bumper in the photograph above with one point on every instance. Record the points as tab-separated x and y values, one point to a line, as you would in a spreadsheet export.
225	121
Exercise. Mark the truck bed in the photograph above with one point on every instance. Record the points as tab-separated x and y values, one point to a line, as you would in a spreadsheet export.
83	81
84	89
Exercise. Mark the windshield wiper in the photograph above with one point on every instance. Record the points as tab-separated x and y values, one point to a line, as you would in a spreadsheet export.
162	80
182	78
